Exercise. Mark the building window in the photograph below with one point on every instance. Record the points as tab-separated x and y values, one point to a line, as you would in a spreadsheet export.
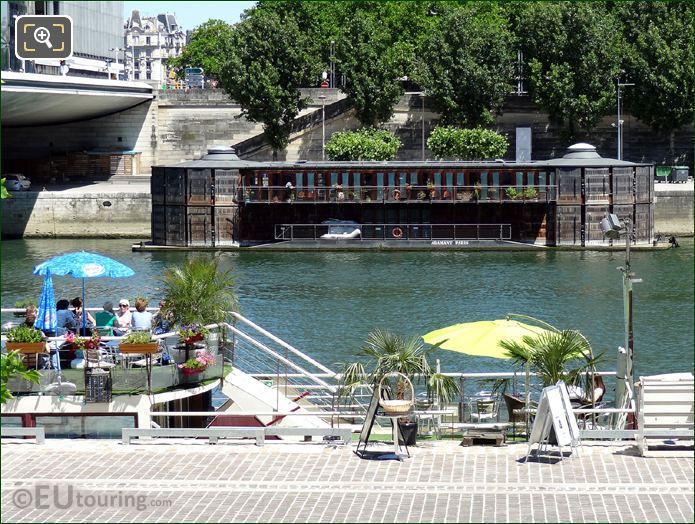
137	75
147	40
149	76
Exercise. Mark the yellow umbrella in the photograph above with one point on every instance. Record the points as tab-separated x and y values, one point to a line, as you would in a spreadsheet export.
481	338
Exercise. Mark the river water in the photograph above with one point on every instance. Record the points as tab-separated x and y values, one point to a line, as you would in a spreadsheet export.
326	303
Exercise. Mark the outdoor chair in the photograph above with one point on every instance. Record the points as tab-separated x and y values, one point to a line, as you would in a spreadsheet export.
516	410
485	410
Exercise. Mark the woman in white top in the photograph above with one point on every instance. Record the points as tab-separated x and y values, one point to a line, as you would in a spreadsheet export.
124	318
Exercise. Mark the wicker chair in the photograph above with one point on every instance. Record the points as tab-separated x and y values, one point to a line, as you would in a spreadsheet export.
515	409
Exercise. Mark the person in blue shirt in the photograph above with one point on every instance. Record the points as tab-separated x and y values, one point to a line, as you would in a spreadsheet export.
66	319
142	319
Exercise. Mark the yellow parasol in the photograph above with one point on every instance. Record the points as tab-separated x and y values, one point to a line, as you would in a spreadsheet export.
482	338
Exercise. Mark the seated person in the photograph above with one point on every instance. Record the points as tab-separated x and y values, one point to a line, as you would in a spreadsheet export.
579	396
124	319
77	304
65	319
141	319
106	318
30	315
162	320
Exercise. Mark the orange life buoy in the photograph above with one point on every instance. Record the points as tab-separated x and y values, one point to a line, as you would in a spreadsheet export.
396	194
397	232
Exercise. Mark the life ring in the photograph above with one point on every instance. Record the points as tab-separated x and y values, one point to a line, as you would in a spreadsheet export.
397	232
396	194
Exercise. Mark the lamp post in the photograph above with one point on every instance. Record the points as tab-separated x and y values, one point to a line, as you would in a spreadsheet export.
620	121
612	227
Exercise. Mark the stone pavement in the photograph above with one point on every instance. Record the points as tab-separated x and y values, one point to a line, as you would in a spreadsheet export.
104	481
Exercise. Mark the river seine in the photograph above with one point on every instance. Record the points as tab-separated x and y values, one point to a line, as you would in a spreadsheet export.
326	303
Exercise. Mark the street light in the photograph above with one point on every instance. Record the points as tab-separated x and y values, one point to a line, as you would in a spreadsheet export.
612	227
620	121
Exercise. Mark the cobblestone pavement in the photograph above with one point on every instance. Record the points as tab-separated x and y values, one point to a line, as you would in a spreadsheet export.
104	481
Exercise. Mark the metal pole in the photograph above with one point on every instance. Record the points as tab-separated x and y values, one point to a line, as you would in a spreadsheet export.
422	121
323	126
620	127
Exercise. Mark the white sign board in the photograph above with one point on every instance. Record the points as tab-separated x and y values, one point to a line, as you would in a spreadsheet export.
554	410
559	416
571	418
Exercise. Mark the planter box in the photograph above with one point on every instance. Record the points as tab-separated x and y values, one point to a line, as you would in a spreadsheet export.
27	348
141	349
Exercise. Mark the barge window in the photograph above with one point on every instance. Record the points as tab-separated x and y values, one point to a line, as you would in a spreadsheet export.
483	185
346	180
520	180
449	180
310	181
300	181
495	179
380	185
392	180
413	178
530	179
334	179
437	180
356	183
460	180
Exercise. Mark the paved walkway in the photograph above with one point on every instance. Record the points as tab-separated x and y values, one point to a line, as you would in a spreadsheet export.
90	481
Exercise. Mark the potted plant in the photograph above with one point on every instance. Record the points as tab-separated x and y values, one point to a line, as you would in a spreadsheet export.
198	363
530	193
387	352
192	333
83	343
138	342
12	366
26	340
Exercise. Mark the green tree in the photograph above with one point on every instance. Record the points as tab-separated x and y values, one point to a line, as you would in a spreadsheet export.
198	292
466	64
659	61
4	193
208	48
374	64
12	366
270	60
365	144
467	144
574	53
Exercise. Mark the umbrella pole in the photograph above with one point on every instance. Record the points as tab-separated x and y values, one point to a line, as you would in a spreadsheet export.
84	312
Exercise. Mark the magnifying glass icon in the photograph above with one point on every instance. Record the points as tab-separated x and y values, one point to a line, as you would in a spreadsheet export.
42	36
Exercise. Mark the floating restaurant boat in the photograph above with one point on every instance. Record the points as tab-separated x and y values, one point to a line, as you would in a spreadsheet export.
221	201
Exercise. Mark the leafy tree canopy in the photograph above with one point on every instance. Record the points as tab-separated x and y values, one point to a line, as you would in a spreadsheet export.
574	54
659	61
375	64
209	47
466	64
270	60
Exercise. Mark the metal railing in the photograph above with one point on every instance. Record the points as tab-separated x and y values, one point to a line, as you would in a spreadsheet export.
396	194
397	231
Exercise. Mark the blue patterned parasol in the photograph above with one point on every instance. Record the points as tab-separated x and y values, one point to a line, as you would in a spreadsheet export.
47	316
83	265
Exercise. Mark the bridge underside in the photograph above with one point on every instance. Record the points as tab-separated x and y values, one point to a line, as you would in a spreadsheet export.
37	100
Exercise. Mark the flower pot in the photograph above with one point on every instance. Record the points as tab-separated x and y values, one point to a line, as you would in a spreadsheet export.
192	371
139	348
193	339
27	348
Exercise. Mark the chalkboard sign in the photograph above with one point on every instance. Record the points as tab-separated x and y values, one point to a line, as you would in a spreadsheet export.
97	385
368	421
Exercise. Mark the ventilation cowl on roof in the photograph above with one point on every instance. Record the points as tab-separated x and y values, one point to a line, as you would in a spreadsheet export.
581	150
221	153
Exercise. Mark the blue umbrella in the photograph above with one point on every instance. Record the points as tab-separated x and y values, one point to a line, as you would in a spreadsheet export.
47	316
84	265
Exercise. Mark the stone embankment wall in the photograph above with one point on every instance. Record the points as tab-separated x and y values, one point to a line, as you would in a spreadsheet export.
673	209
77	214
179	126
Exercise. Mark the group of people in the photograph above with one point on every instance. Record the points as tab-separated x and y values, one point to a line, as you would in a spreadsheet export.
117	322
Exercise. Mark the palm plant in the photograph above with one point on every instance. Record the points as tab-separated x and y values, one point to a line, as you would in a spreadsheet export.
388	352
198	292
555	355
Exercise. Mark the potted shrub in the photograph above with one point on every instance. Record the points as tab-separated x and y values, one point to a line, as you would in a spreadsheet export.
12	366
192	333
198	363
138	342
26	340
387	352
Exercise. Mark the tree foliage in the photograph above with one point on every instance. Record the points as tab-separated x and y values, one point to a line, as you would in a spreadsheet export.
466	64
467	144
375	64
574	56
659	61
365	144
271	59
209	47
12	366
198	292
